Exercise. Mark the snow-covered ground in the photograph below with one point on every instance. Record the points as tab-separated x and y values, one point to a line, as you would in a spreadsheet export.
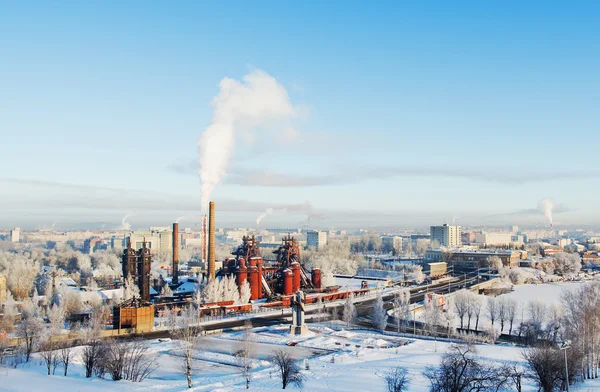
547	293
338	359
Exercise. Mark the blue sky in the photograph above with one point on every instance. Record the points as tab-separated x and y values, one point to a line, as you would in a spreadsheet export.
420	110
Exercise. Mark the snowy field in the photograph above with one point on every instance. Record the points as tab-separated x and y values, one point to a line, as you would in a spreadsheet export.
339	360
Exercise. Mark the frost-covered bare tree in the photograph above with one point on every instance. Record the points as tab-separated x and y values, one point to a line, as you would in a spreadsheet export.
230	289
502	312
288	369
335	258
581	325
476	307
244	355
213	291
401	307
46	350
432	315
188	338
20	274
461	305
379	314
31	327
460	371
349	315
65	354
56	316
9	314
537	315
567	263
492	309
90	335
397	380
129	360
245	293
70	301
545	366
494	263
511	313
131	290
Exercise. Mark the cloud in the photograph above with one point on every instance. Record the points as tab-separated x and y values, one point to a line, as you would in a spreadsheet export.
266	178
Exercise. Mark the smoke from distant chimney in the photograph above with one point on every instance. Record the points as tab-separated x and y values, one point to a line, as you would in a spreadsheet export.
124	224
239	109
546	206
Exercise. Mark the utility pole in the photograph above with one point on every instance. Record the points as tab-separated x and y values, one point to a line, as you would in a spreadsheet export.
564	346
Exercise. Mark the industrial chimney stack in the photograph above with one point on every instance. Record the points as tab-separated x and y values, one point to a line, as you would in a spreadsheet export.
175	253
211	241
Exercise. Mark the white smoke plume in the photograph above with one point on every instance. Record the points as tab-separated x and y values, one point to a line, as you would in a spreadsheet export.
239	109
124	224
262	216
180	219
546	206
270	211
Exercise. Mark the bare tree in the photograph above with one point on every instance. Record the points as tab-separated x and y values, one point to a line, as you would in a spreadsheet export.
511	313
289	371
245	354
537	315
513	374
65	356
379	314
432	315
30	330
476	306
494	263
46	350
129	360
492	309
502	312
545	367
401	307
461	305
397	380
349	310
48	344
187	338
459	371
92	346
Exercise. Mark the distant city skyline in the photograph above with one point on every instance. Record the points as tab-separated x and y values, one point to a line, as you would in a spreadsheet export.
405	115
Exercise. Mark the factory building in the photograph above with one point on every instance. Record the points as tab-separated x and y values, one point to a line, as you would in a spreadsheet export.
448	236
316	239
471	259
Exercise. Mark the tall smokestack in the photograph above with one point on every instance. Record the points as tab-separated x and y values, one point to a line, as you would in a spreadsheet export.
211	240
204	241
175	253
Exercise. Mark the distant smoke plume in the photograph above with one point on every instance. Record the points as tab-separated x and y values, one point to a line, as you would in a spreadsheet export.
124	224
239	108
271	211
546	206
180	219
262	216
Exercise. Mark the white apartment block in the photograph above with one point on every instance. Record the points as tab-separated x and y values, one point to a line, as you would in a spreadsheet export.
316	239
448	236
493	238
